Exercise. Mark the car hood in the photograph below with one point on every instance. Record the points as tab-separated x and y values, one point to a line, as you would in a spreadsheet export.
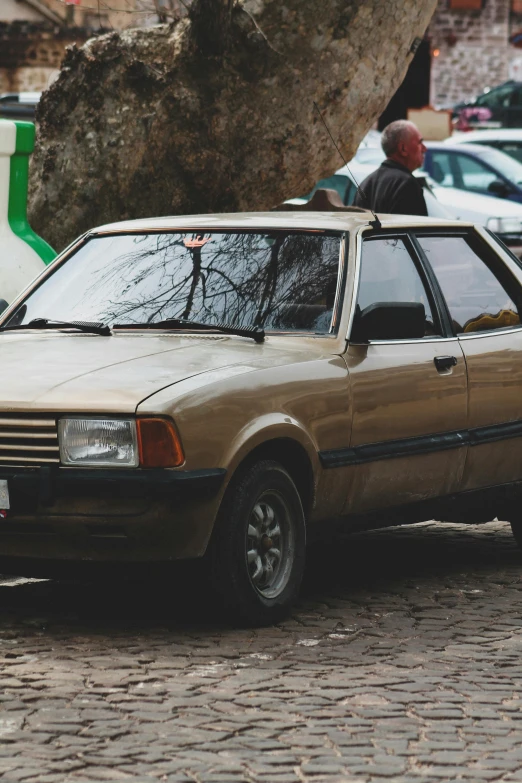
57	371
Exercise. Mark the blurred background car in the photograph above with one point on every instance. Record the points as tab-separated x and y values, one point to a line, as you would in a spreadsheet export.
19	105
508	140
499	107
474	168
502	216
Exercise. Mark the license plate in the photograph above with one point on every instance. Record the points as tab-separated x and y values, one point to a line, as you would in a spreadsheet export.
4	494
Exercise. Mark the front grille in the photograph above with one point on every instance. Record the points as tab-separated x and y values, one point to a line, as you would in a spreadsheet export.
28	440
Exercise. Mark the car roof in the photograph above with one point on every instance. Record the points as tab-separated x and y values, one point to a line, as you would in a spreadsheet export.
473	149
499	134
325	221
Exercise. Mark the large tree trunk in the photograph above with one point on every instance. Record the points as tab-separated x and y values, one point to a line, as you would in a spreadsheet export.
214	113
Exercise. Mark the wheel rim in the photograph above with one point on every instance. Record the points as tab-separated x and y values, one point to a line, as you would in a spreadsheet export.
270	544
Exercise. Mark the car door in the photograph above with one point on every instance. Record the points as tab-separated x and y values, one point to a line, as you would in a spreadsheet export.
409	397
467	172
438	164
475	176
484	299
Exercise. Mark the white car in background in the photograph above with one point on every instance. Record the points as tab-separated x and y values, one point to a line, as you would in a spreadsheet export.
501	216
19	105
508	140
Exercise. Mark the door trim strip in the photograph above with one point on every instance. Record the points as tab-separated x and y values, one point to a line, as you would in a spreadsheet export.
423	444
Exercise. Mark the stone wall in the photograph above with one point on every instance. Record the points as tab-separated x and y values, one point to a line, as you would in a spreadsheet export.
473	50
32	47
31	53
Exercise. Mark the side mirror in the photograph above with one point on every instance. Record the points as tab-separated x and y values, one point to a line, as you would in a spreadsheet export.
3	305
389	321
499	188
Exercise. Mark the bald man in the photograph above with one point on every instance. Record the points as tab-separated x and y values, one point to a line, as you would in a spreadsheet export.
393	188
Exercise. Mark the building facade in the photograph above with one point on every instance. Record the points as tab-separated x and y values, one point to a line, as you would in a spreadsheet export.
35	33
474	46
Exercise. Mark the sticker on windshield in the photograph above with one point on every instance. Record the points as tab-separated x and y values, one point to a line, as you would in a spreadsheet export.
198	242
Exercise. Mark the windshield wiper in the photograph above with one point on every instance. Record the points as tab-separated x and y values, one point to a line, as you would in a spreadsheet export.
47	323
255	333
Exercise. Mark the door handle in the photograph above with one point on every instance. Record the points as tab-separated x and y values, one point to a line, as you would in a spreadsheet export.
444	362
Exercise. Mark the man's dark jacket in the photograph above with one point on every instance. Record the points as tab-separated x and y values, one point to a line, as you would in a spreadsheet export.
392	188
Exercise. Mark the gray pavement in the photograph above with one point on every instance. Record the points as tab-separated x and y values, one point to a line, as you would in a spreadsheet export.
402	662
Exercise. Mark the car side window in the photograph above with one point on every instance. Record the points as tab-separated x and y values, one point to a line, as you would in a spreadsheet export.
516	97
441	169
351	192
388	274
476	299
338	182
473	174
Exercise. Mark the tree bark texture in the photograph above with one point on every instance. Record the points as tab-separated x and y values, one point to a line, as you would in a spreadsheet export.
215	112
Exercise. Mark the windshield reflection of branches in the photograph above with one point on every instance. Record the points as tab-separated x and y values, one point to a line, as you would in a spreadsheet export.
238	279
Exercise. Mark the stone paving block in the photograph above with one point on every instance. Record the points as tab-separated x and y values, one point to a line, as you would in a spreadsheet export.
23	773
179	779
414	677
472	774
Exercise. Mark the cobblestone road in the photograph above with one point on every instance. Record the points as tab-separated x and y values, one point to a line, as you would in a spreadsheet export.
403	661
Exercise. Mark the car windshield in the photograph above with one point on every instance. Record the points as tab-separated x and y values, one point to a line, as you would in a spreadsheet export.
511	169
497	97
276	280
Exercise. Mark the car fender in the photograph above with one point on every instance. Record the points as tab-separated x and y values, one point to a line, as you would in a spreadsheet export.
269	427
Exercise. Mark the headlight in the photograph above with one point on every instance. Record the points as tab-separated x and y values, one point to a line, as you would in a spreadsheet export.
504	225
98	442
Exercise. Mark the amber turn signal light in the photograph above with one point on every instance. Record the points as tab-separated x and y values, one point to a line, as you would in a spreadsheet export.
159	444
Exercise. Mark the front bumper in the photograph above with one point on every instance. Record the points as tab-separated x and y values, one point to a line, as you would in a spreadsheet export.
133	515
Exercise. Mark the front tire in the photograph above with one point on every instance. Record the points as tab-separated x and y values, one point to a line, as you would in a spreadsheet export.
257	552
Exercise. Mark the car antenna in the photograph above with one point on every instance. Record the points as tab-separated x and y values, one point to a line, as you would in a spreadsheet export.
376	224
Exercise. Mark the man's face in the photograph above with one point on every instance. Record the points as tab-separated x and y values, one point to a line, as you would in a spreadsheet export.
412	149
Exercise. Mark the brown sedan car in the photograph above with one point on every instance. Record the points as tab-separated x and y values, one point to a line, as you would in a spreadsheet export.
228	386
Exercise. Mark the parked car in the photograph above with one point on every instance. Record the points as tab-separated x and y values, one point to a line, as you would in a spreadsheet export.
371	140
347	179
474	168
504	139
502	216
223	386
500	106
19	105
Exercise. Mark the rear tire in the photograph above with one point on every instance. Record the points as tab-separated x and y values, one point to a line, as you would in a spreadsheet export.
257	552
